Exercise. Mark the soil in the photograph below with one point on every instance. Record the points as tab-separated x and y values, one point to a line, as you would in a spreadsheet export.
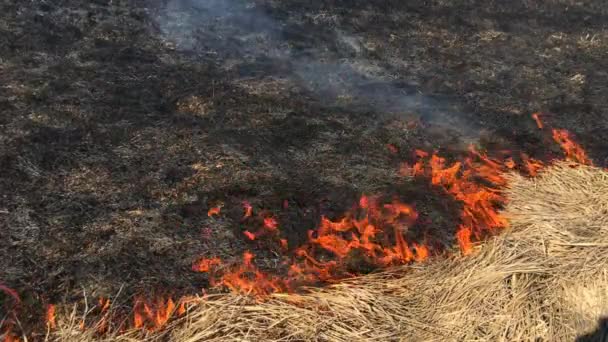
123	122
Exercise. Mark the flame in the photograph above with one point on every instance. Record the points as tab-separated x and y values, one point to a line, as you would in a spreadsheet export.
104	304
214	211
563	138
248	209
378	229
464	240
153	315
249	235
480	202
536	117
532	166
283	243
375	228
270	223
572	150
247	278
10	337
50	316
205	265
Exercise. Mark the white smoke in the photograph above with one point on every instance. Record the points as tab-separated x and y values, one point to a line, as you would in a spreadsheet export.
240	29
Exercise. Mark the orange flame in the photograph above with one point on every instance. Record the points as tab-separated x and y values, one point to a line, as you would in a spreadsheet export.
532	166
214	211
246	278
10	337
464	240
205	265
572	150
270	223
374	228
248	209
536	117
153	316
249	235
50	316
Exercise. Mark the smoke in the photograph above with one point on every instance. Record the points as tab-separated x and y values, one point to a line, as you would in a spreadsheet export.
334	65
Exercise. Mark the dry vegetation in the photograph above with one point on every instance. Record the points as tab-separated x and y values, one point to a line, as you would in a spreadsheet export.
546	279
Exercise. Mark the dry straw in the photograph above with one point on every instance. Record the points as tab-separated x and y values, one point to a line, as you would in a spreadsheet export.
544	279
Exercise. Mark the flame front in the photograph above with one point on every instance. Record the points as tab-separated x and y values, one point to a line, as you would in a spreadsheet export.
375	230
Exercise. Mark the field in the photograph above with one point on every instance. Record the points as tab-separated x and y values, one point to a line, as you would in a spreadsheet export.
123	123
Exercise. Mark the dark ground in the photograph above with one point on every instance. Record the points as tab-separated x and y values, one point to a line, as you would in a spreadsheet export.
117	136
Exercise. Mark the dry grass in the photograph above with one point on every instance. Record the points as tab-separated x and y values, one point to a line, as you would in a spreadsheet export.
546	279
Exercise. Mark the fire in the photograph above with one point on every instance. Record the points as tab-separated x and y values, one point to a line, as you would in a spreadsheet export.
270	223
104	306
248	209
464	240
572	150
205	265
536	117
376	229
247	278
563	138
249	235
152	315
10	337
50	316
532	166
214	211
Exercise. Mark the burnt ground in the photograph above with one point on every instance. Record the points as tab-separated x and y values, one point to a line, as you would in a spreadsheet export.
123	122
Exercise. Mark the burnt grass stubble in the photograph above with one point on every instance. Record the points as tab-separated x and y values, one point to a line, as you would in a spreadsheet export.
115	142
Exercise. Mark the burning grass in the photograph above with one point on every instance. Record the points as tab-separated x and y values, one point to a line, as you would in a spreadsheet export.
544	278
510	288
